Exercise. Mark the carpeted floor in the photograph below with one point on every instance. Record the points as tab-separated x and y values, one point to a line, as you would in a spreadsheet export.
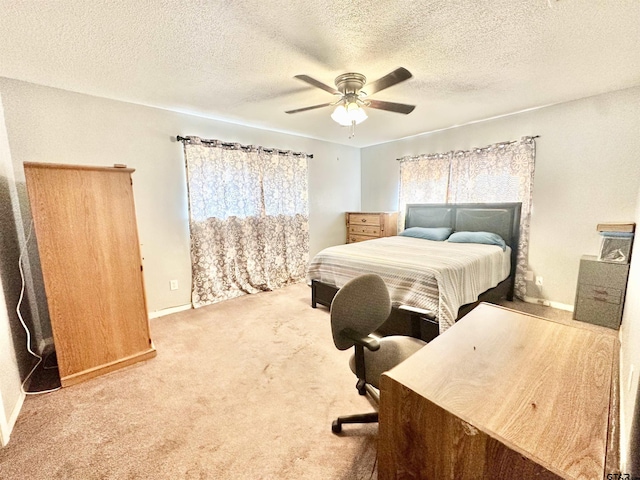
244	389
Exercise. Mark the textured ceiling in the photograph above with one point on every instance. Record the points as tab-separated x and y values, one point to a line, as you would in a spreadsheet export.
235	60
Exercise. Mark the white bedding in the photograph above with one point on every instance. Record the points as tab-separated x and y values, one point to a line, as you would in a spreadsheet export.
438	276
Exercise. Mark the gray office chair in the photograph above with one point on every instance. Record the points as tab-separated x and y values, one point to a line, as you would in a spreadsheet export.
360	307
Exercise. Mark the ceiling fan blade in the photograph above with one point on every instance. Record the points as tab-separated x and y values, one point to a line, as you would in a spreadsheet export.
308	108
391	106
389	80
316	83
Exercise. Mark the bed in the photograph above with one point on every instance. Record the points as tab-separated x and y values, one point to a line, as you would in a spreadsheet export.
446	278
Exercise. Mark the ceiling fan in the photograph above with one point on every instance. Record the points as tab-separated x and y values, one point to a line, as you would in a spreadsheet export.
353	90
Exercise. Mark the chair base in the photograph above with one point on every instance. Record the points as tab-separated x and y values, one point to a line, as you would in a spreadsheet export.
336	426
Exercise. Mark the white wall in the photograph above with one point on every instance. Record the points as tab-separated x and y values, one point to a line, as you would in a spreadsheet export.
587	172
630	364
51	125
11	396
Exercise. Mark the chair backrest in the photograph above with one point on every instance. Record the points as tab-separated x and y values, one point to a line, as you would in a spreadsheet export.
362	304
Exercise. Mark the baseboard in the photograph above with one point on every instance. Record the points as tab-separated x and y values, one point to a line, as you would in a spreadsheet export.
6	425
169	311
549	303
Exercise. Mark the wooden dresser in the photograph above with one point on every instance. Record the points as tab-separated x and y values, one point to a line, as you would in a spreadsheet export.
85	226
503	395
368	225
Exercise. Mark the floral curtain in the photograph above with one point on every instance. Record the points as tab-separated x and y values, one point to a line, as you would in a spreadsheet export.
424	179
502	172
248	216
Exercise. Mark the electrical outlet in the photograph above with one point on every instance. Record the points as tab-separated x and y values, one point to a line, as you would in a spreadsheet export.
539	281
173	285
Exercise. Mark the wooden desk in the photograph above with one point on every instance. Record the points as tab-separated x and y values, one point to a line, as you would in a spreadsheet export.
501	395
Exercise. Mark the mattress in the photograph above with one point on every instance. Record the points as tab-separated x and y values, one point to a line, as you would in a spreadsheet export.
437	276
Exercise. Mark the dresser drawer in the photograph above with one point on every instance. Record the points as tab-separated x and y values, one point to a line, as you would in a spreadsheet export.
364	219
600	294
353	238
607	274
372	230
597	312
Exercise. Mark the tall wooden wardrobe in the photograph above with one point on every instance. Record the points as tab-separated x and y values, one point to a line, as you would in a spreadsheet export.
85	225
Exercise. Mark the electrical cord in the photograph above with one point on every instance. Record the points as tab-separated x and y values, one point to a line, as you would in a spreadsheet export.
24	325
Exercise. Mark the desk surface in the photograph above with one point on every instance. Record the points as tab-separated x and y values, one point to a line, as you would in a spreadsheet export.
539	387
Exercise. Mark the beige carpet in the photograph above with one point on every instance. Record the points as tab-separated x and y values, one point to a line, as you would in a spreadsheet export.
245	389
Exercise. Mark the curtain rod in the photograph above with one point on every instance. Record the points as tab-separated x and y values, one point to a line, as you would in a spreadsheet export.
243	147
407	157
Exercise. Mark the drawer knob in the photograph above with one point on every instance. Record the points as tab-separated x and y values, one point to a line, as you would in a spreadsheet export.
601	292
599	299
364	220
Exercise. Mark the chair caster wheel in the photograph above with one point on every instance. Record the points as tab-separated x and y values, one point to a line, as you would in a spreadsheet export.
336	427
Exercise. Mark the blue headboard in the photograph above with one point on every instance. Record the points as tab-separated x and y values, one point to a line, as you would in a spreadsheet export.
500	218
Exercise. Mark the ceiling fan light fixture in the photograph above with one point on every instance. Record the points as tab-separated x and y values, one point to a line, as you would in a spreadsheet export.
345	116
349	111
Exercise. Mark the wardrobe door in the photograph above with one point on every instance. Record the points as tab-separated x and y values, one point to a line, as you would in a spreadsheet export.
85	225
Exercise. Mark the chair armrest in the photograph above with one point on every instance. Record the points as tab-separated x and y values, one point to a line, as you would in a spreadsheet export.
367	341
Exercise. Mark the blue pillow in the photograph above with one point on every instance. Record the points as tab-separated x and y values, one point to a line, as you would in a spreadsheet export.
438	234
478	237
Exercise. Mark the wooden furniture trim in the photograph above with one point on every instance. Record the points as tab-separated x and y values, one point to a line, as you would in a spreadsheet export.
58	166
397	458
108	367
